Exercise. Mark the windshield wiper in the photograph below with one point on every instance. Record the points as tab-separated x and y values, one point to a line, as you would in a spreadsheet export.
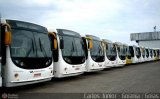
42	48
72	49
32	48
100	50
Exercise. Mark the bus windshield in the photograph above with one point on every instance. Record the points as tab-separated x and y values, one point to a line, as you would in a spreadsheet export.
143	52
30	49
29	44
128	52
97	52
154	51
151	52
138	52
121	52
131	49
158	53
147	53
73	52
111	52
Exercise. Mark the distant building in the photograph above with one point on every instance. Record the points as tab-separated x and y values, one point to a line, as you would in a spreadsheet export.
147	39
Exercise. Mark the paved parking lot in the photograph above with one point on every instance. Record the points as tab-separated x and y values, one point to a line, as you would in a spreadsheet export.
138	78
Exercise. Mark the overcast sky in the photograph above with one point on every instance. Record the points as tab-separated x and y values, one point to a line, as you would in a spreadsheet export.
109	19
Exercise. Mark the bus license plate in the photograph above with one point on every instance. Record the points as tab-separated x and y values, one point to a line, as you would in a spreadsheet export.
37	75
77	69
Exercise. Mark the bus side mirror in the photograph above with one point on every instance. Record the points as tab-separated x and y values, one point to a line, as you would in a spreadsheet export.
90	44
7	38
55	44
53	40
61	43
7	35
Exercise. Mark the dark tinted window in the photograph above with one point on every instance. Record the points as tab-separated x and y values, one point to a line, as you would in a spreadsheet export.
138	52
111	52
26	25
143	52
97	52
29	44
121	52
154	51
97	49
147	53
151	52
131	51
72	46
30	49
73	51
128	52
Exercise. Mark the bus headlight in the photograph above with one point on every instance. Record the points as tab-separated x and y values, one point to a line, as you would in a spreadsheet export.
68	60
17	61
21	63
48	62
94	58
83	60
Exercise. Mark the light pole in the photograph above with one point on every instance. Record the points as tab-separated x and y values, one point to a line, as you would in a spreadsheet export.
154	28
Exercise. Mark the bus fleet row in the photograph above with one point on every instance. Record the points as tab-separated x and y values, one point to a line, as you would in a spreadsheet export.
30	54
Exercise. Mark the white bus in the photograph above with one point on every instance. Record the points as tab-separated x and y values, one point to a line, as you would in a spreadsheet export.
69	58
26	53
110	53
135	53
94	53
121	54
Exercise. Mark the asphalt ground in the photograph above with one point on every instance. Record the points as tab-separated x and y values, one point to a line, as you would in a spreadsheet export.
136	78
